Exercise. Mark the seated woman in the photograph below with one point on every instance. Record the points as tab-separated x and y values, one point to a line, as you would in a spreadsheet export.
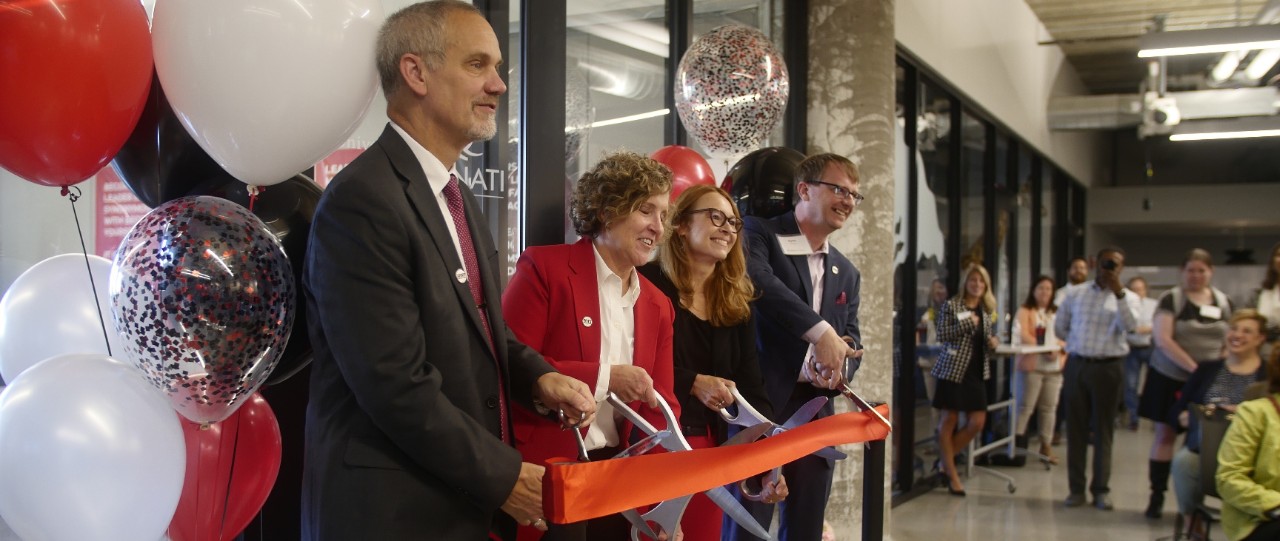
1217	384
703	271
587	310
1249	466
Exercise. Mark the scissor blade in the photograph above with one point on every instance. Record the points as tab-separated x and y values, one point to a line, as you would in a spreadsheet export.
639	523
806	412
739	514
645	444
830	453
863	405
667	515
748	435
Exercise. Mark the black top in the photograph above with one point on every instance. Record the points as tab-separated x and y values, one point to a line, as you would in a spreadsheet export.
1211	383
698	347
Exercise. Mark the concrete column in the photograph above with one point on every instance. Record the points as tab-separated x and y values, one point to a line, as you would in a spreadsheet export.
851	112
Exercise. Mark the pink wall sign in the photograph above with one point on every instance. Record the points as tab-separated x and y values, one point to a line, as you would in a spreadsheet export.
116	210
328	167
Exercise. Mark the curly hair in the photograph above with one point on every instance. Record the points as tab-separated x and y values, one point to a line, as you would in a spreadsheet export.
729	291
614	188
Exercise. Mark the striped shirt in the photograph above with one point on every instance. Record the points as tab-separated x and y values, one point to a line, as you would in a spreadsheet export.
1095	322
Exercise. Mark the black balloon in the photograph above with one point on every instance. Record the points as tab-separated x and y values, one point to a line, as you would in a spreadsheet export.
287	209
762	182
160	161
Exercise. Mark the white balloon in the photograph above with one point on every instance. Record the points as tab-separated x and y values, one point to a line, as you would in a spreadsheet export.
267	87
88	451
50	310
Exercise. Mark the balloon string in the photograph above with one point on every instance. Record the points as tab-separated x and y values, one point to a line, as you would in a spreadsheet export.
253	195
235	444
73	197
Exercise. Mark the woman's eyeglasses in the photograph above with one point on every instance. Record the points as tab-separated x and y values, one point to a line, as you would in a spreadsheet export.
719	219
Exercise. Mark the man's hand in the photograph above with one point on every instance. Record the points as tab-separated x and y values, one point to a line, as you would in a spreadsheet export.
632	383
828	363
558	392
712	391
525	502
774	492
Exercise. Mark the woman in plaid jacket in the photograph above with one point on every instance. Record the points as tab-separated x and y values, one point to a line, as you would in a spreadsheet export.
966	328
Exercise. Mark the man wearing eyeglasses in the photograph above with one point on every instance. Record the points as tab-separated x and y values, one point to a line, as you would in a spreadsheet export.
807	324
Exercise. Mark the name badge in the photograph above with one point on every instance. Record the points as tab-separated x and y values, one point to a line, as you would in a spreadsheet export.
962	316
794	245
1210	312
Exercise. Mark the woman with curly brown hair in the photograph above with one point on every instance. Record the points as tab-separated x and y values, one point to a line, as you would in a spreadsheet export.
703	271
585	308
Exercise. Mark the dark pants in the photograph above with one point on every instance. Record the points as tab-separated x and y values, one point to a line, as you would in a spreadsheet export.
1092	389
1138	357
808	485
1267	531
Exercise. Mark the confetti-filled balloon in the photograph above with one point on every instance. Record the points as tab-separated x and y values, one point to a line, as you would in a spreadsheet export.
203	295
731	89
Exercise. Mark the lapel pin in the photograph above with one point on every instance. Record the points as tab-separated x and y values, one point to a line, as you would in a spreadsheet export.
461	275
586	321
835	269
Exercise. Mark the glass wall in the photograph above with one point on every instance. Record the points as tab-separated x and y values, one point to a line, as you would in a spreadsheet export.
969	190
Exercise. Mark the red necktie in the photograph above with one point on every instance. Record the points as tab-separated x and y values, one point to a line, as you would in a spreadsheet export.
454	197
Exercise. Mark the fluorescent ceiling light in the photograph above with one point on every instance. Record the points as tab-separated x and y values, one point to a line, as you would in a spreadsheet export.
1226	67
1240	128
622	120
1262	63
1212	40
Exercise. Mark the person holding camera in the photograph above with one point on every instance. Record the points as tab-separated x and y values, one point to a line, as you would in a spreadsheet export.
1095	318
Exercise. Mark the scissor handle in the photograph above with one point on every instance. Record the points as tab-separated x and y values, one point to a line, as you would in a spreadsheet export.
577	434
769	478
747	415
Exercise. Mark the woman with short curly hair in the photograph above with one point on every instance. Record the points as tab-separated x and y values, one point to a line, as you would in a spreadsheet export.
585	308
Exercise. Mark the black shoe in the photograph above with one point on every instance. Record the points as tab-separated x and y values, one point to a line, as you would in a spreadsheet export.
1075	500
955	492
1155	507
1103	502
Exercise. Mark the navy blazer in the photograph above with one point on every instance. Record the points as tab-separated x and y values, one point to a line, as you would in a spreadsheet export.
782	312
403	423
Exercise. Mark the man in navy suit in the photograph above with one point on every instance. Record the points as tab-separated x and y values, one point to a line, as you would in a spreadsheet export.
806	324
408	433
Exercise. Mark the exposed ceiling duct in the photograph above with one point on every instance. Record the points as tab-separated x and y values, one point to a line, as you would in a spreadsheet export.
1113	111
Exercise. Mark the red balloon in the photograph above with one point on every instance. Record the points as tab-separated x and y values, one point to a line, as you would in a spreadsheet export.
231	467
74	77
687	167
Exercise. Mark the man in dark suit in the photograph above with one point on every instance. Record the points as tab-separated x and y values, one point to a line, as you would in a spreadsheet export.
408	433
806	324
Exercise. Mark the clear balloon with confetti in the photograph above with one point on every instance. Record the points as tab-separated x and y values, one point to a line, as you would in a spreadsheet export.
203	295
731	90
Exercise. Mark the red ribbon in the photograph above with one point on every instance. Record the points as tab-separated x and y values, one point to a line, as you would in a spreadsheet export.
573	492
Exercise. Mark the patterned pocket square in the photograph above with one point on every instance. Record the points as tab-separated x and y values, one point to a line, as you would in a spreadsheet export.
842	298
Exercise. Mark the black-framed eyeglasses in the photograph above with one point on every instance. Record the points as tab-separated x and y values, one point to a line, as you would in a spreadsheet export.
841	191
719	218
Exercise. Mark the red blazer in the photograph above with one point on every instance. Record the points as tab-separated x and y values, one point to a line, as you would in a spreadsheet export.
554	289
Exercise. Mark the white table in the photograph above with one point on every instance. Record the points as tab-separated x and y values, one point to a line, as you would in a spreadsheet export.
1008	441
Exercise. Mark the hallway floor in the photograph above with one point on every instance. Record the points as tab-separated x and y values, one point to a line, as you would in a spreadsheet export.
1035	511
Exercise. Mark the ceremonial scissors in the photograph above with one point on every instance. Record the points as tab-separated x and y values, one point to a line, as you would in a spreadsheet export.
667	514
641	447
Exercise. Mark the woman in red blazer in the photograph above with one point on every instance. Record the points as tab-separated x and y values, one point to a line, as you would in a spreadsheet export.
585	308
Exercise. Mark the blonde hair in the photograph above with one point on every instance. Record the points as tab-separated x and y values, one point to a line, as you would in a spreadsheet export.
988	300
729	291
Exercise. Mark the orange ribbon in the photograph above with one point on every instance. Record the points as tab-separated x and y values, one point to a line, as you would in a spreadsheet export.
573	491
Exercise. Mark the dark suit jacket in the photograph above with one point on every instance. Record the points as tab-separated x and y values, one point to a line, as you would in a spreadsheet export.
553	291
782	312
403	426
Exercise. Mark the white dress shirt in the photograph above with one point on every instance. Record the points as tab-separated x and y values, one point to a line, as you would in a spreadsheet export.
617	343
437	178
817	271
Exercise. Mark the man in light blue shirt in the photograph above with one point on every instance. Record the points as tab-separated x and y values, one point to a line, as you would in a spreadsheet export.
1095	319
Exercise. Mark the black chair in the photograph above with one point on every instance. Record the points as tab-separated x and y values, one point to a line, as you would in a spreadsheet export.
1213	426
